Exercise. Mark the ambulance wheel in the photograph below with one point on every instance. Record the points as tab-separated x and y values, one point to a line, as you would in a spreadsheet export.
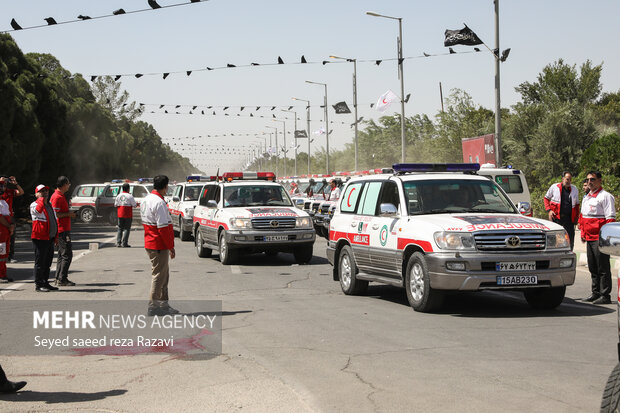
347	269
184	235
200	249
112	218
611	394
303	254
544	298
87	215
420	295
227	256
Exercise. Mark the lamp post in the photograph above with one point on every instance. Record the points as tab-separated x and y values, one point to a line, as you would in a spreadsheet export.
326	124
400	76
354	99
284	135
276	132
294	136
308	127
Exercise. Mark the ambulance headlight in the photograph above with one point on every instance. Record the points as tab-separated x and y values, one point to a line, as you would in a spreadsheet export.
454	240
189	212
303	222
240	223
558	239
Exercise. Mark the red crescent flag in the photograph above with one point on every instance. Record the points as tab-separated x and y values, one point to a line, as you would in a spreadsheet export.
385	100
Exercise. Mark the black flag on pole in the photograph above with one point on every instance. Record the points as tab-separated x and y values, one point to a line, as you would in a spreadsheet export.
341	107
465	36
300	134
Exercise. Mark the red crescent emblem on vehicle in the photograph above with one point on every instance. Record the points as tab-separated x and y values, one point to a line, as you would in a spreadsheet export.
349	197
384	102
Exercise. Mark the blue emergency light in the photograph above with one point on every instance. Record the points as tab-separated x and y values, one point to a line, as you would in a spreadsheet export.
401	168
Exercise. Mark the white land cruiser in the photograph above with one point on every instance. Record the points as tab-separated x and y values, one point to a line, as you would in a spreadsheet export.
184	200
248	212
432	232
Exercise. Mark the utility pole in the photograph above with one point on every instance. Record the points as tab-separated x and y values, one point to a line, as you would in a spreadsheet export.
498	106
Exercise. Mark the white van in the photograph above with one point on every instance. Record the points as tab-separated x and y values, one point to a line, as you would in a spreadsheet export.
513	182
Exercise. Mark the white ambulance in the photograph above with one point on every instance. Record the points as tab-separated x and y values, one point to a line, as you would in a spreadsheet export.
433	228
248	212
184	198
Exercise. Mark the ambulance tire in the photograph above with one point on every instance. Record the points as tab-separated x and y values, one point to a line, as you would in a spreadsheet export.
112	218
544	298
611	395
420	295
303	254
227	255
87	215
200	249
184	235
347	271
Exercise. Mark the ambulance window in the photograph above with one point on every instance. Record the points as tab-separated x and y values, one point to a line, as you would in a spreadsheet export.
348	201
369	200
139	192
84	191
100	190
112	191
511	184
389	195
177	191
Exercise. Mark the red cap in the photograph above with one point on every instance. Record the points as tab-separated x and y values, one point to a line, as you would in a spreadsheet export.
41	187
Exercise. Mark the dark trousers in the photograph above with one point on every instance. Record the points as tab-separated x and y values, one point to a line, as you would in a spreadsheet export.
3	379
65	255
43	256
570	229
124	226
599	266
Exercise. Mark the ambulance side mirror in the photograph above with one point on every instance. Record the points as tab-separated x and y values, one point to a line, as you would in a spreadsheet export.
211	204
388	210
175	199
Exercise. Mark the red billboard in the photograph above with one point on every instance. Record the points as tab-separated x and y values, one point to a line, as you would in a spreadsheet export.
480	149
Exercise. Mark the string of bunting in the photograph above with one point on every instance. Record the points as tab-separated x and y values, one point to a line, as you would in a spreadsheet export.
280	61
51	21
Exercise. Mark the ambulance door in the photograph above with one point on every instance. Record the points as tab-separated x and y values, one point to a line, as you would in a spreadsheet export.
384	256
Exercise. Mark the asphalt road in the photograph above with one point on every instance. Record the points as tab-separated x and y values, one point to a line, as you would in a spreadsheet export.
292	342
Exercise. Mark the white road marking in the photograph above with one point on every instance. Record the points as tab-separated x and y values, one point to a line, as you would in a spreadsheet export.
235	269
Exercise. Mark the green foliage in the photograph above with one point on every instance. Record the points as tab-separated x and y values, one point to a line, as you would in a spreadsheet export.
51	125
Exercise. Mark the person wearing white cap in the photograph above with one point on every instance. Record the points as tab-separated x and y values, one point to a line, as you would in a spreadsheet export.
44	233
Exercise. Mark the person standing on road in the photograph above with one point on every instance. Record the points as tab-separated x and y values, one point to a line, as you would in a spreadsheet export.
562	204
124	204
44	232
597	209
159	244
334	194
12	191
6	229
65	248
7	386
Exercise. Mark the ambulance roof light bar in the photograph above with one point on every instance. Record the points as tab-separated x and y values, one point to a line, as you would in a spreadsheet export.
235	176
402	168
200	178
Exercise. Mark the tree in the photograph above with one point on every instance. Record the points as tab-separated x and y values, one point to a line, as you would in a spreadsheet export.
108	93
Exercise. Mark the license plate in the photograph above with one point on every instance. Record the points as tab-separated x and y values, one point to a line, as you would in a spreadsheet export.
515	266
517	280
276	237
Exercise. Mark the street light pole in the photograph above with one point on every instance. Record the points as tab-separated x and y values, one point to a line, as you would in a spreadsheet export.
294	136
276	133
326	123
401	77
354	101
498	106
284	135
308	127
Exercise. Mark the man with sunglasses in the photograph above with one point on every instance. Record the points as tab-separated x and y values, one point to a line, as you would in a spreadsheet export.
597	209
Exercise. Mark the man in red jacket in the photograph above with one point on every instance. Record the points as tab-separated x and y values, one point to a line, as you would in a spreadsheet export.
159	244
597	209
562	204
44	232
12	191
65	249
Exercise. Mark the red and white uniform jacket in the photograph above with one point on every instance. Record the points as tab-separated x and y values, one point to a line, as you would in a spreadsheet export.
158	232
60	204
553	198
597	209
40	220
124	203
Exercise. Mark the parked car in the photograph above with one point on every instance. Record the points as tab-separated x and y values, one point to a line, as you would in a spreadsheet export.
609	243
513	182
83	201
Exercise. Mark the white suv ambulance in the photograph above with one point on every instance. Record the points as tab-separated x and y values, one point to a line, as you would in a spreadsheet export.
248	212
184	200
431	232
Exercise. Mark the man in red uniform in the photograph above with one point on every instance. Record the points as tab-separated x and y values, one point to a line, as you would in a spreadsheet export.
65	250
562	204
159	244
124	203
44	232
597	209
6	228
12	191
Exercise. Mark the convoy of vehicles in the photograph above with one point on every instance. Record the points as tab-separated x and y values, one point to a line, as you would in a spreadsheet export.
250	213
432	229
184	199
